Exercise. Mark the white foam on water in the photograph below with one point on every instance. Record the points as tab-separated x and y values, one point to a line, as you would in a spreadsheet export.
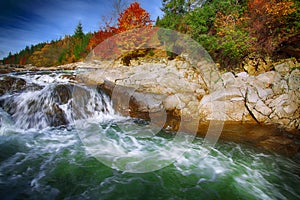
121	143
44	79
43	107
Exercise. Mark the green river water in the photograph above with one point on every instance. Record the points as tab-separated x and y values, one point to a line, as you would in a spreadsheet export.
46	162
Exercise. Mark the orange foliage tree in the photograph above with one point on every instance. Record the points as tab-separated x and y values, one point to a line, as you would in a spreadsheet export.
134	22
134	17
267	22
99	37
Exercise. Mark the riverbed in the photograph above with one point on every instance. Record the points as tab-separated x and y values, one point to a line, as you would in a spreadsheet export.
75	146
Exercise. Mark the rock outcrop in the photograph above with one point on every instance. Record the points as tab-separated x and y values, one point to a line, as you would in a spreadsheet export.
269	98
177	96
204	94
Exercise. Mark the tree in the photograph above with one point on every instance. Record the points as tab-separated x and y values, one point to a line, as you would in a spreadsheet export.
133	17
233	41
268	22
176	13
112	42
175	6
119	6
78	33
99	37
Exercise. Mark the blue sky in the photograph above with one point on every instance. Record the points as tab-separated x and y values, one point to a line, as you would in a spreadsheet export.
27	22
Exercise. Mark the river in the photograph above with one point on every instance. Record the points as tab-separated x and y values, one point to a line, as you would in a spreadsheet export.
57	145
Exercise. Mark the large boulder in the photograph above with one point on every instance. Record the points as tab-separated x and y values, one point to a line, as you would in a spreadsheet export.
130	102
271	98
9	84
225	105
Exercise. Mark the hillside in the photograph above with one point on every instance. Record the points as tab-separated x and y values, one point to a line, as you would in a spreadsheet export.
235	33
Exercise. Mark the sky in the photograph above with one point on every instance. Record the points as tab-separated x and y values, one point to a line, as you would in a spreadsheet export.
28	22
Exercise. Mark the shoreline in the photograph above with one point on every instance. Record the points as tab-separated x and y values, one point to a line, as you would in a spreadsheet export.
147	100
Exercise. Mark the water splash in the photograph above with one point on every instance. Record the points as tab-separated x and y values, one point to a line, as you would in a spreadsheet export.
52	162
52	104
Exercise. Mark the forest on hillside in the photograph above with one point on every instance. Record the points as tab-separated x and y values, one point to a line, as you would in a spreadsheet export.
230	30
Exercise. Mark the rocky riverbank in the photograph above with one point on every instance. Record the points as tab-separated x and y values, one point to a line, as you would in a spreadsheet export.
272	97
188	98
178	96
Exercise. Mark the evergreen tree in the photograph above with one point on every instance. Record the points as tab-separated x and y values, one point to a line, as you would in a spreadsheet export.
78	31
157	20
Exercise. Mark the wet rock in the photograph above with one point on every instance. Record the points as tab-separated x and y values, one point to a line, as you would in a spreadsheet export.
69	77
10	84
55	106
132	103
5	71
63	93
38	111
55	116
280	144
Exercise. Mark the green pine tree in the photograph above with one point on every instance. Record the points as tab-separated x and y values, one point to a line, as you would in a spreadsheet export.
78	31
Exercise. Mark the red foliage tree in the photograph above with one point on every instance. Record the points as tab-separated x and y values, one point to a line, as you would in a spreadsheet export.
99	37
23	60
111	46
133	17
267	22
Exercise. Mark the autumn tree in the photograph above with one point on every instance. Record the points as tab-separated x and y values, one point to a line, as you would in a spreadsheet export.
133	17
233	42
99	37
116	41
118	6
268	20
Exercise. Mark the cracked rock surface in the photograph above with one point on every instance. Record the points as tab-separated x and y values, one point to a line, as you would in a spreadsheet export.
205	94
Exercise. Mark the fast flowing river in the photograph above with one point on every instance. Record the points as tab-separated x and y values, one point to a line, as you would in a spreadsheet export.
47	133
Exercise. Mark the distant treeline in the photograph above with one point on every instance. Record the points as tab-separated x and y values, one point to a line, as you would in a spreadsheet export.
77	46
229	30
67	50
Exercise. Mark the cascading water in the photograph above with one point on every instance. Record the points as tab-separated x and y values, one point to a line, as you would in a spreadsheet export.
43	152
54	104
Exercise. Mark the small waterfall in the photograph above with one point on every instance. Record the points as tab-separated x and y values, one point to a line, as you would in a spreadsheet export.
56	104
5	119
62	163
